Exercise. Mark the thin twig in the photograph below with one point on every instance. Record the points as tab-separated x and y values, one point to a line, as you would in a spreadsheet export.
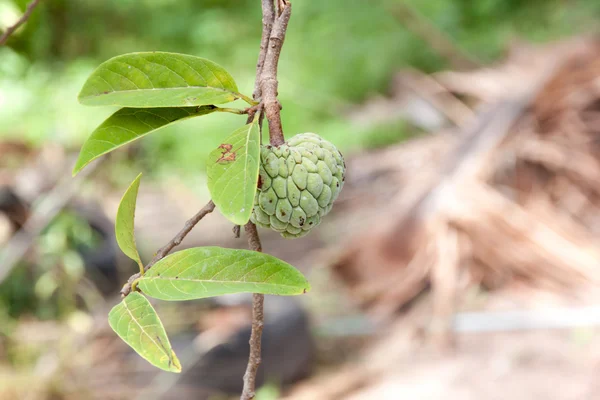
268	78
258	318
11	29
176	241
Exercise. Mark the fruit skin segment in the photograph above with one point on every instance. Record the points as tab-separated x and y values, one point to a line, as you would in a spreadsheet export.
298	183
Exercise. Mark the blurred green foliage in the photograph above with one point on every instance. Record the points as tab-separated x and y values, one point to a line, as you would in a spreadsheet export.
337	53
31	288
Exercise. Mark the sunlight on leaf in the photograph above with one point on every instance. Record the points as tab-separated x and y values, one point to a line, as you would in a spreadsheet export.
158	79
124	224
136	322
213	271
232	171
130	124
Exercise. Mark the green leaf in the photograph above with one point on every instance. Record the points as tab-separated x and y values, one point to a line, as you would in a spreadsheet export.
213	271
136	322
129	124
158	79
124	223
233	173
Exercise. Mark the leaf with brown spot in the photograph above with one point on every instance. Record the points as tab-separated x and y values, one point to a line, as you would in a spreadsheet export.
233	173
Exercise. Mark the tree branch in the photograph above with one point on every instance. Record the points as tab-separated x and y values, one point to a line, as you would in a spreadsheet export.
253	238
268	77
265	90
268	11
176	241
258	318
11	29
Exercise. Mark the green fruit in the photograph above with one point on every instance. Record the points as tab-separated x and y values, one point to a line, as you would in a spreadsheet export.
299	181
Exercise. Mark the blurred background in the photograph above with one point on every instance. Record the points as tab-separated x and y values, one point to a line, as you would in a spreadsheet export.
461	260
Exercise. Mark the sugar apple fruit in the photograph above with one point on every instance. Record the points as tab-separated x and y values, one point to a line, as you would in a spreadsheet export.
298	183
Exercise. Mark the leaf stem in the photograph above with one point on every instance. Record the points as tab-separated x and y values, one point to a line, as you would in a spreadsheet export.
141	268
247	99
134	285
239	111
